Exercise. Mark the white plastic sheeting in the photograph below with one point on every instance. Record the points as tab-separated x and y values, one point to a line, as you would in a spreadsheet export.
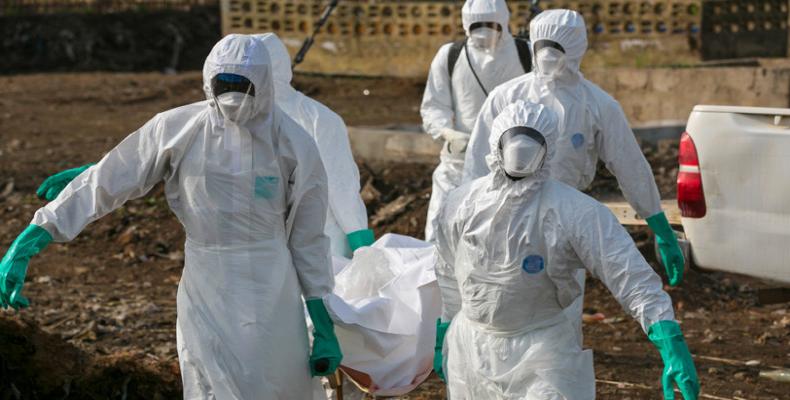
385	305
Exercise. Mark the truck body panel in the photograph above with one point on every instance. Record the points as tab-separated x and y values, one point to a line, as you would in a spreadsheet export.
744	162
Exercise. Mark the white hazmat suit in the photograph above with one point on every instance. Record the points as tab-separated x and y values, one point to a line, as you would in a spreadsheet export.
346	213
252	199
592	125
450	104
391	281
509	255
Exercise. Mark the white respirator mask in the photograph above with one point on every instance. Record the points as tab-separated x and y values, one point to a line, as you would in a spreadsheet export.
234	96
236	107
485	36
550	58
523	152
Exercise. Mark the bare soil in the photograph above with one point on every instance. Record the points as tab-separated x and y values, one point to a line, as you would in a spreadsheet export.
102	317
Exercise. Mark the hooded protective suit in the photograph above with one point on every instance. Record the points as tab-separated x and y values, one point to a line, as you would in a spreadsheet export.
346	224
346	214
450	105
509	255
252	199
592	124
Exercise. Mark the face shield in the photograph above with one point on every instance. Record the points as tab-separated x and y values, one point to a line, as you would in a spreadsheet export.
234	96
550	57
485	35
523	152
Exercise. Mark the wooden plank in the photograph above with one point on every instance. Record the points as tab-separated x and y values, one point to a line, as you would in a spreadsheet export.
628	216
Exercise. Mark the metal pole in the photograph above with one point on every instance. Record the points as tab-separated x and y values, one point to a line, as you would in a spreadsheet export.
311	39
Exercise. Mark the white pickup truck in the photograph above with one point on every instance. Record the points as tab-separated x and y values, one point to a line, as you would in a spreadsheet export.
733	189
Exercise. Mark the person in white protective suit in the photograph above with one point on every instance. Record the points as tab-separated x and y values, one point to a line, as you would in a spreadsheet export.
592	126
510	244
461	76
347	218
247	184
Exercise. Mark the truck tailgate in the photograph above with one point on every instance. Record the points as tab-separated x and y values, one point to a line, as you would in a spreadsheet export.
744	162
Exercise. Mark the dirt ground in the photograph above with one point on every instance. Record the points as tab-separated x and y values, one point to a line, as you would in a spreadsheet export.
102	317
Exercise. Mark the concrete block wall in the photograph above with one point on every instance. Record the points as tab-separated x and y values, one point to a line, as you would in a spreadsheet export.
659	96
400	37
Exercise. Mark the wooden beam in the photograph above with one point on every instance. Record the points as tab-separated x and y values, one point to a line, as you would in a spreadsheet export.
628	216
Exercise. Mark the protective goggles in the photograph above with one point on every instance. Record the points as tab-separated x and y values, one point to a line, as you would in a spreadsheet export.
523	152
492	25
523	130
225	83
544	43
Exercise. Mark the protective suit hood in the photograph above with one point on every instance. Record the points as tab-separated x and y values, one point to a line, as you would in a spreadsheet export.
246	56
485	11
281	64
565	27
530	115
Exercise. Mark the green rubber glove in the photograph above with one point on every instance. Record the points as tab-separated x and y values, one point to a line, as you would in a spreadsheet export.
668	247
326	354
13	267
678	365
441	330
52	186
360	238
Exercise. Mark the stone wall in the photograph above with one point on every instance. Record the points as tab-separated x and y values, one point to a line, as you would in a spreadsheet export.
656	96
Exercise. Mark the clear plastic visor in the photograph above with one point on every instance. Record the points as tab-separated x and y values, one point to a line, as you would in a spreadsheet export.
523	151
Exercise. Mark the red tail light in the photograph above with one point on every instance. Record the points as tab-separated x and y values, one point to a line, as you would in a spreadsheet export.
691	198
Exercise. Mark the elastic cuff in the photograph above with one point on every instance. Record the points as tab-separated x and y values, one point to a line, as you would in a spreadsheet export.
436	133
360	238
